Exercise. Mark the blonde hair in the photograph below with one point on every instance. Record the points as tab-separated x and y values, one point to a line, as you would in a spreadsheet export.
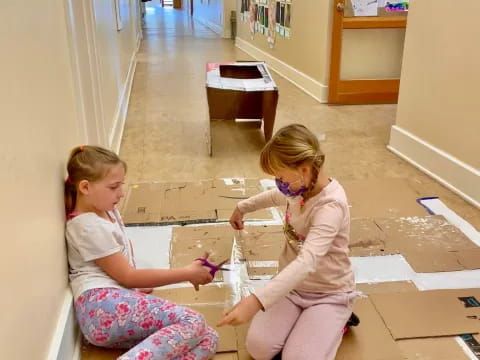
90	163
292	146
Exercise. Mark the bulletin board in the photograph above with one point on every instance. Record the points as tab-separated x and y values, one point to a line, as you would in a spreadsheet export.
270	18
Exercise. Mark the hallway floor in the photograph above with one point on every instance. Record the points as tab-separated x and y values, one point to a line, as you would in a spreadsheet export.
165	132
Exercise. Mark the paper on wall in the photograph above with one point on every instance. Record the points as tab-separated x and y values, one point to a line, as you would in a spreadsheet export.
365	7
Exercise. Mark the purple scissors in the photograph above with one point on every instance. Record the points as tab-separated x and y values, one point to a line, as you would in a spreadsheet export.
213	268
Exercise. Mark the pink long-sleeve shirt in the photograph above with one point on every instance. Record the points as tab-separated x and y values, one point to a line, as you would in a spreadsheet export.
315	255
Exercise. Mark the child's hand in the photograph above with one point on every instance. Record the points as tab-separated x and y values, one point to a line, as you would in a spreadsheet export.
242	312
199	274
236	220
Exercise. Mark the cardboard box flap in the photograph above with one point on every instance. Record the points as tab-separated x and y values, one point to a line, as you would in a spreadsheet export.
429	313
241	76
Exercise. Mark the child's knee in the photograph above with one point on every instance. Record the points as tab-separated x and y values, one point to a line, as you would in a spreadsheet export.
195	319
261	348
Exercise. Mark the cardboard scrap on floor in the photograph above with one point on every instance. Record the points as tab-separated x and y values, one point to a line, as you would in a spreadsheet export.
442	348
192	242
371	339
430	313
208	294
394	197
91	352
154	203
429	243
213	314
261	247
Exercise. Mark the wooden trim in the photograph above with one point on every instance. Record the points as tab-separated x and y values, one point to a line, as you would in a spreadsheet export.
335	54
384	91
374	22
359	91
365	86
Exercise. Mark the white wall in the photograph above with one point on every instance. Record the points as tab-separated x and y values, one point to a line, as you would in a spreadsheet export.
38	127
438	119
40	121
211	14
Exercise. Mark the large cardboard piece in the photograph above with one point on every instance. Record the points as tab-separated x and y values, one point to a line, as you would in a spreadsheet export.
429	243
155	203
190	243
428	313
382	198
261	243
241	90
209	294
261	247
213	314
366	238
91	352
370	340
443	348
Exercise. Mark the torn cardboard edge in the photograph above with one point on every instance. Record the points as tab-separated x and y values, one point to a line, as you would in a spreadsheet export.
431	313
205	201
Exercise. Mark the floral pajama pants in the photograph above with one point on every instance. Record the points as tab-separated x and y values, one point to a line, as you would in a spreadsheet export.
152	328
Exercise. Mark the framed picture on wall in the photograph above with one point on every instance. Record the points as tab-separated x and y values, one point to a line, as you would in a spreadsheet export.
118	14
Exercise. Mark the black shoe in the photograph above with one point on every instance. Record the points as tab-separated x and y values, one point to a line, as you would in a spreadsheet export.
353	321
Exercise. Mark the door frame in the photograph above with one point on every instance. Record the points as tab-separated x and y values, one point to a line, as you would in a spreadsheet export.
363	91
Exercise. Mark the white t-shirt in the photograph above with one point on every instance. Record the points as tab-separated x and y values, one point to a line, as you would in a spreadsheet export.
90	237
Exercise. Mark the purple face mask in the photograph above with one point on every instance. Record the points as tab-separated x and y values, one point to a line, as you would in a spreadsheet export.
284	188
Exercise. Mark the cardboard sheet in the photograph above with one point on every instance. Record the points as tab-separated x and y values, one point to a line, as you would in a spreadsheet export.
442	348
213	314
370	340
261	243
189	243
209	294
243	355
261	247
261	272
392	197
90	352
226	356
428	313
430	244
366	238
154	203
